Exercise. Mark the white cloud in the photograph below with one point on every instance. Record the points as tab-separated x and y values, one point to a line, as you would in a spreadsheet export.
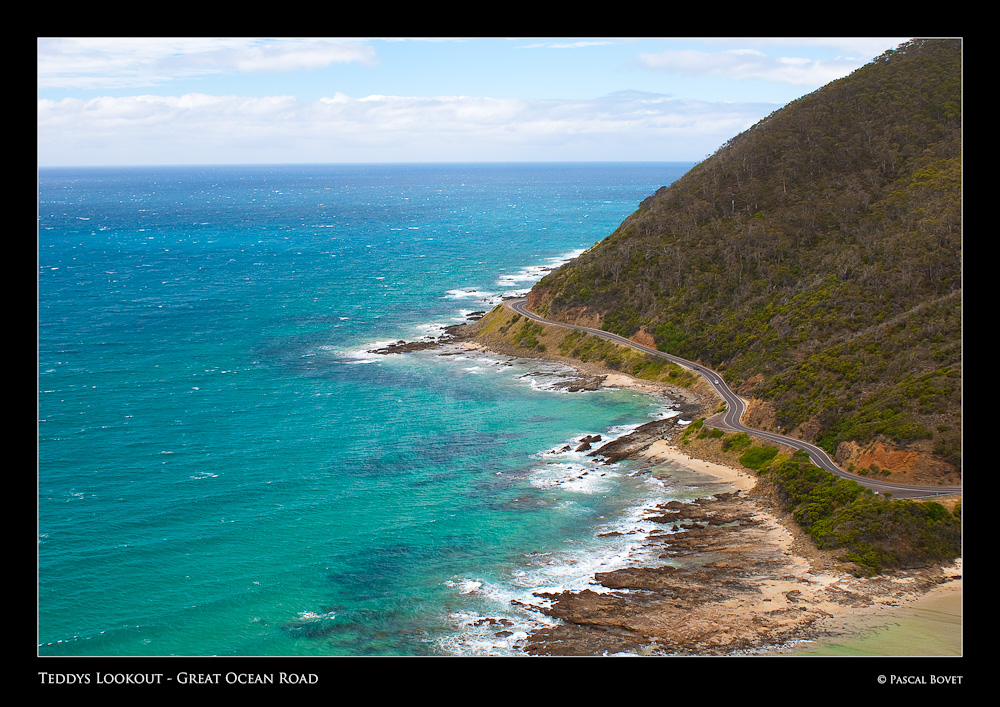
288	56
743	64
263	125
198	128
96	63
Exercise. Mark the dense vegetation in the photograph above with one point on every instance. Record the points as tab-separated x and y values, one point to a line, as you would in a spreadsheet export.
814	259
501	326
874	532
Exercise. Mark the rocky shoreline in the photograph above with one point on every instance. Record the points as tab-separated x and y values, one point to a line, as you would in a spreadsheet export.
737	576
451	333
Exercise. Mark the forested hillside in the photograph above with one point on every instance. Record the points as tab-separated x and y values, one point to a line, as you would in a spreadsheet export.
814	259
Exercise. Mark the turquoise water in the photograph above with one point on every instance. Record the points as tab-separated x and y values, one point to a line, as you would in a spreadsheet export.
224	469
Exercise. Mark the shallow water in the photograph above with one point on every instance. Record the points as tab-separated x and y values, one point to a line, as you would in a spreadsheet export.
931	626
224	469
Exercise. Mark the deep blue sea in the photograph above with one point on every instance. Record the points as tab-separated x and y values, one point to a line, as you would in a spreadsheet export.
224	469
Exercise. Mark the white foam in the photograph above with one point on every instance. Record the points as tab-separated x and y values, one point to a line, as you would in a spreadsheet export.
498	624
516	284
431	330
363	355
578	478
552	380
530	274
312	616
486	635
565	451
465	586
465	293
548	383
502	613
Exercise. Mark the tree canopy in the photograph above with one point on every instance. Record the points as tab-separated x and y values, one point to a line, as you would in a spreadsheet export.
815	258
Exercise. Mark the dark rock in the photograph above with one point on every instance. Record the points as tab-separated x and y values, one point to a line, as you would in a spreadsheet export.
629	446
450	333
574	384
586	442
405	347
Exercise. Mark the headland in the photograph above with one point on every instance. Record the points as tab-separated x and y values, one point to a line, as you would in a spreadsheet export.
737	576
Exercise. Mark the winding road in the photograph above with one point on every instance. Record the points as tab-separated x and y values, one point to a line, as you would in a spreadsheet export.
731	419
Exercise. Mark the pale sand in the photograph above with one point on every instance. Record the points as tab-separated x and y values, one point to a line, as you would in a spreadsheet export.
910	614
900	615
664	450
930	625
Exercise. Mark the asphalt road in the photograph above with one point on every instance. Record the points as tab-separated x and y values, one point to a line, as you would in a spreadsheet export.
731	419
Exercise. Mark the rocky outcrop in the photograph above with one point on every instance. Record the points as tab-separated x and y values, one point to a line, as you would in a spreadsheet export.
639	440
915	464
644	338
717	556
450	334
570	384
406	347
732	581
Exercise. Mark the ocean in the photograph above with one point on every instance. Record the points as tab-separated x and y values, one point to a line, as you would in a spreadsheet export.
223	467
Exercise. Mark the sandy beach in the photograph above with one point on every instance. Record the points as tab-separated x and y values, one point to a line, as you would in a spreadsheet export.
917	613
740	578
896	622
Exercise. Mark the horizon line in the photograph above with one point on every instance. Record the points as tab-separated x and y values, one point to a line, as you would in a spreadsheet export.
357	163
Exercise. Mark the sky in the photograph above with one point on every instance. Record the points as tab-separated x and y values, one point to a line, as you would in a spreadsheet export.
258	100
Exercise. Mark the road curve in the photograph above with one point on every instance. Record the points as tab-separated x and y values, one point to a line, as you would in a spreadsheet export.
735	407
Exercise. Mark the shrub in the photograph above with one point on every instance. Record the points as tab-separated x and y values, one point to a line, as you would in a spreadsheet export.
737	442
876	533
756	457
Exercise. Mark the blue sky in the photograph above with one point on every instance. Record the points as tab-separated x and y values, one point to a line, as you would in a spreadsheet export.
206	100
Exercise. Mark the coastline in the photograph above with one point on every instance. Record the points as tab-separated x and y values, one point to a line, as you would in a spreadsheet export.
915	613
739	577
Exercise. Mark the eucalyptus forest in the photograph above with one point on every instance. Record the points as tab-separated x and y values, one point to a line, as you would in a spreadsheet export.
814	259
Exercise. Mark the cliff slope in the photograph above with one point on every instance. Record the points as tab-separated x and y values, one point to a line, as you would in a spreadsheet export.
815	260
